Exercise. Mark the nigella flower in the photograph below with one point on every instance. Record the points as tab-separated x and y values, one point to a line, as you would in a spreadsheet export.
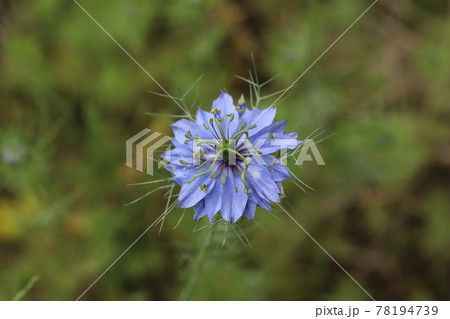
223	160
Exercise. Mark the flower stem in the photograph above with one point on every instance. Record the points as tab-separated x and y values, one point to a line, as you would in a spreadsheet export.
197	266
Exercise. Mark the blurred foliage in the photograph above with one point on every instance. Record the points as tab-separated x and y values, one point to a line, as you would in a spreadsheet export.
69	99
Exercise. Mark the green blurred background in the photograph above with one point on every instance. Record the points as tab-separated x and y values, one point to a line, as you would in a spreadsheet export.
70	98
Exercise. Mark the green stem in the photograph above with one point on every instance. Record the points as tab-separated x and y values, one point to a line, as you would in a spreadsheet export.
197	266
199	142
220	128
208	170
239	133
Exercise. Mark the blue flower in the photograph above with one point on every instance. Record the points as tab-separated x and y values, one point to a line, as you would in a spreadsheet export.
223	161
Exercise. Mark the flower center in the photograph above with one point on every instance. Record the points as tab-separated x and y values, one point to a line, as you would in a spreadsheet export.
226	149
228	152
226	156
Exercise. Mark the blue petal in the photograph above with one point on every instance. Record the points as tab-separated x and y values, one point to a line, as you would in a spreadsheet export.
258	200
183	152
260	118
280	187
262	181
250	209
182	175
265	145
190	193
274	128
225	104
234	197
279	171
213	201
199	210
181	127
229	127
202	117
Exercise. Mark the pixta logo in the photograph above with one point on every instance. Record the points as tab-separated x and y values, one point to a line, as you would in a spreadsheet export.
145	143
152	142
